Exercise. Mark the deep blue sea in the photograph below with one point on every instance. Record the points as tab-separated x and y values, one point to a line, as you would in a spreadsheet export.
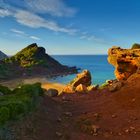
98	65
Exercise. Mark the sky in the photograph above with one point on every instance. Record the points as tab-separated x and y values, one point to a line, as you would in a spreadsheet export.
69	26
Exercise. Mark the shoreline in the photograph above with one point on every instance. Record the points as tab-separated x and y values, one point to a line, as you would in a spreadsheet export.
45	83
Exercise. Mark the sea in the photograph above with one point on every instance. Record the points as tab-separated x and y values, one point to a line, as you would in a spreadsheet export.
98	65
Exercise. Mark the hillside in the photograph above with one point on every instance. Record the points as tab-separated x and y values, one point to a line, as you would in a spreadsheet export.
33	60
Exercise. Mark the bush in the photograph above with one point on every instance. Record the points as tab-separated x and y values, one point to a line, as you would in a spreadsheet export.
4	115
136	46
17	110
15	104
5	90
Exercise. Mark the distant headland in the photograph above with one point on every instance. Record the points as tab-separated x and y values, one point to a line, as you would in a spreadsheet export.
31	61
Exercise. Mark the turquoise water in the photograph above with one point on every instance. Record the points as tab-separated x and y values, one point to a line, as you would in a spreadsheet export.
98	65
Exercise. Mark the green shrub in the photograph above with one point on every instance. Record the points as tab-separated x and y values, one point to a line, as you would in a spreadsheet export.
136	46
104	85
5	90
17	110
4	115
19	102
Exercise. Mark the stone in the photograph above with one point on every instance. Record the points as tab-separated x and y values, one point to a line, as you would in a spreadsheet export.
115	86
58	134
52	92
83	78
114	116
68	89
109	82
59	119
95	128
68	114
81	88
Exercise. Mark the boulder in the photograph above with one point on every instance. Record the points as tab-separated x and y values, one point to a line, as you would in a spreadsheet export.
81	88
52	92
83	78
115	86
68	89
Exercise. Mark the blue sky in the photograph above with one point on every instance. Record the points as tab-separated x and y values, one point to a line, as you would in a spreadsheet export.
69	26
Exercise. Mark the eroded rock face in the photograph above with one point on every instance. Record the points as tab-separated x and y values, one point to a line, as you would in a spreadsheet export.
83	78
125	61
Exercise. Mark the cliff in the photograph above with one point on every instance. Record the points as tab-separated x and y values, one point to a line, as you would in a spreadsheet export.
125	61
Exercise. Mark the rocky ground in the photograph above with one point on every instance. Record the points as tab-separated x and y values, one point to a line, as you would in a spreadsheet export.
98	115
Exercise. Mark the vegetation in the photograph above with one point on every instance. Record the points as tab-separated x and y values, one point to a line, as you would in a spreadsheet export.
104	85
136	46
27	57
16	103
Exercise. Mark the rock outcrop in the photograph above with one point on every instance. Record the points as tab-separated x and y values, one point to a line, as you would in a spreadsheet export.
80	84
83	78
125	61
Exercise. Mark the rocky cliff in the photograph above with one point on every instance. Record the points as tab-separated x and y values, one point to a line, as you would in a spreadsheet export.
125	61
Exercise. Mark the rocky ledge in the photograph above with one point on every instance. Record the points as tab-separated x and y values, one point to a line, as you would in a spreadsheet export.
125	61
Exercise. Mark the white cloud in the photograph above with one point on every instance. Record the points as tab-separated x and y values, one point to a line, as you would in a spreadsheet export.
4	13
83	37
92	38
52	7
28	16
32	20
18	31
35	37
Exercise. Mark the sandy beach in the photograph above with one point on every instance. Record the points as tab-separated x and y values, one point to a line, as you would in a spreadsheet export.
44	81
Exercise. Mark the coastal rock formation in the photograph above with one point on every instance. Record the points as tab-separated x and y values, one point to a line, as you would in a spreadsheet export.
83	78
125	61
81	83
2	55
33	60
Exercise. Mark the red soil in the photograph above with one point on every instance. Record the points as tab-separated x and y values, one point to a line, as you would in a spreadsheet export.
70	117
